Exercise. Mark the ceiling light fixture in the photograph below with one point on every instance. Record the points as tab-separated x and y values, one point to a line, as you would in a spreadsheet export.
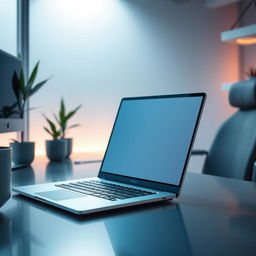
244	35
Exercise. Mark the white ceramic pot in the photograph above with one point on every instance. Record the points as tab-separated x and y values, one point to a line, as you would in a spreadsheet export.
69	146
23	152
56	150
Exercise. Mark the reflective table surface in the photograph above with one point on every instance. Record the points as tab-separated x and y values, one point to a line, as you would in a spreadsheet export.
213	216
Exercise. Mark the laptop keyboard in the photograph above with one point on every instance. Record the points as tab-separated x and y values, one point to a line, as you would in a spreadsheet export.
105	190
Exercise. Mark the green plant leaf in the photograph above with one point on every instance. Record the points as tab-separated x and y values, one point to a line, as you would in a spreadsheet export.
56	135
17	92
62	122
51	124
22	85
23	91
16	85
62	111
33	75
53	130
15	141
71	113
8	111
48	131
74	126
36	88
29	109
63	118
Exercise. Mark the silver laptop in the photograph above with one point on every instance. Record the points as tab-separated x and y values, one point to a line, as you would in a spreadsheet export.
145	160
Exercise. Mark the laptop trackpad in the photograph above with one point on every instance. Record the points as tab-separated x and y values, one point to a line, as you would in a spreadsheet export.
60	194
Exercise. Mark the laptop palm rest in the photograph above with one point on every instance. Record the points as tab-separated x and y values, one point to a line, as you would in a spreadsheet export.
60	194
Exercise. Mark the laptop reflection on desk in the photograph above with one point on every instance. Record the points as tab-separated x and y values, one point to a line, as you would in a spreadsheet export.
159	231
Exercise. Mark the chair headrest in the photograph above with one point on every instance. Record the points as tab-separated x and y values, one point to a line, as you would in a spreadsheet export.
243	94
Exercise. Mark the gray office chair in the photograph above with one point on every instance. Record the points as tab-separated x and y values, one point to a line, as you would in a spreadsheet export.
233	151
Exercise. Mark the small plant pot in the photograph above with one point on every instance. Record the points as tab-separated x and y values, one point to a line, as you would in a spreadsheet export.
23	152
69	146
56	150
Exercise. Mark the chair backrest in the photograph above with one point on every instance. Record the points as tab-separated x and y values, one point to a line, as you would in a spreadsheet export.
233	150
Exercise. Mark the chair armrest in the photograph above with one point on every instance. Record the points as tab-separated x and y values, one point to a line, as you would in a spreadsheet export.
254	172
200	152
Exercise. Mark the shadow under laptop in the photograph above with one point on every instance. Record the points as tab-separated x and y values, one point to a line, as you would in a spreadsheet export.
91	216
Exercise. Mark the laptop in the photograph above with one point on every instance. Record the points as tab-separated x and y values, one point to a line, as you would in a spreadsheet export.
145	160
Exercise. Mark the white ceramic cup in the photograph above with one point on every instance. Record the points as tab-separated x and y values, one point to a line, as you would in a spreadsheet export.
5	174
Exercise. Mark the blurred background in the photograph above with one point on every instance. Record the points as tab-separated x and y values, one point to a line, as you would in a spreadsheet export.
99	51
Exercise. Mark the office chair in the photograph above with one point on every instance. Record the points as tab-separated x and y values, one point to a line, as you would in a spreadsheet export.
233	151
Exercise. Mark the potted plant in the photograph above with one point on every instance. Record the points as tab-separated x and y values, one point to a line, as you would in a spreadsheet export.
23	151
56	149
63	121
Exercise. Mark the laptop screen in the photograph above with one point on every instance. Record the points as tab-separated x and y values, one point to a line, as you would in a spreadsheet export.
151	138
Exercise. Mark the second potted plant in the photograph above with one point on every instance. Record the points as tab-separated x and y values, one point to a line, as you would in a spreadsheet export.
63	120
59	144
56	149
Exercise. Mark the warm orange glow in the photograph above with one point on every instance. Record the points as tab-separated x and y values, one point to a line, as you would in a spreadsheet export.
6	138
246	40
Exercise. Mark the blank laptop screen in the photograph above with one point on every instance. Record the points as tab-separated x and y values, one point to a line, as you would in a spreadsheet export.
151	138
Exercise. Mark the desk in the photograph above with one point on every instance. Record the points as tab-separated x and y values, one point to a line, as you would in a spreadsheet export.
213	216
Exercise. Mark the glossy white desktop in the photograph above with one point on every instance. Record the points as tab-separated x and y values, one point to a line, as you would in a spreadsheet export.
213	216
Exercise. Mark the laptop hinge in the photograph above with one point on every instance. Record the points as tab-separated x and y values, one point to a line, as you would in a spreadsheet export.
176	194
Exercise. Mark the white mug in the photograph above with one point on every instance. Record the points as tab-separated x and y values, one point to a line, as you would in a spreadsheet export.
5	174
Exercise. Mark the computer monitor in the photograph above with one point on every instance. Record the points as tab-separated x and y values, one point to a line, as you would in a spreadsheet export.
10	120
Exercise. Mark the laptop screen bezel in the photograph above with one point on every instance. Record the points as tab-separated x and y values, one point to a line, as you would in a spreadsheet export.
148	183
